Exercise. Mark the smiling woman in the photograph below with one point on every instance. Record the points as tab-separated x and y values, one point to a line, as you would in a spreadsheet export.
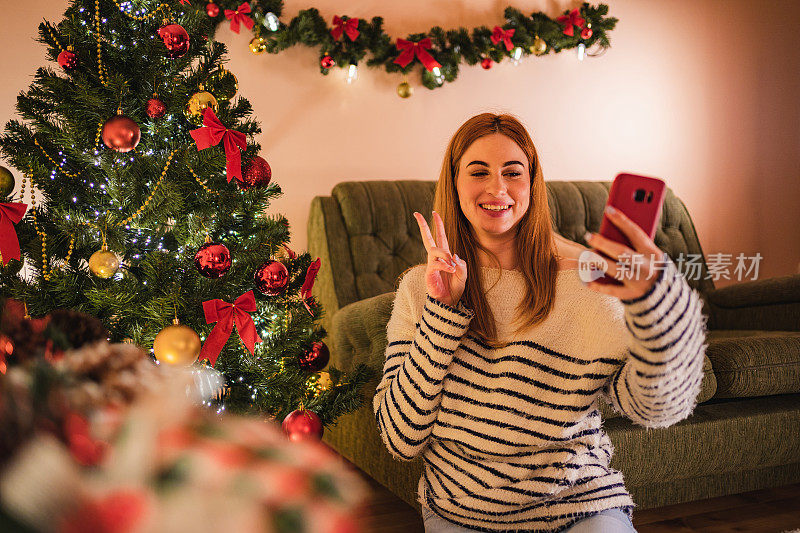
498	355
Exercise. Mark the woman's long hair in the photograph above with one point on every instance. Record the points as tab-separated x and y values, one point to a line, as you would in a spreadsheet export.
535	246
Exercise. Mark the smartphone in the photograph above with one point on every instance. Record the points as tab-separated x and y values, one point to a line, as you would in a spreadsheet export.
641	199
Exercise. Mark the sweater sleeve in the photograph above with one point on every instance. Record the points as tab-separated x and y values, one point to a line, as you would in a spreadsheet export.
659	381
418	356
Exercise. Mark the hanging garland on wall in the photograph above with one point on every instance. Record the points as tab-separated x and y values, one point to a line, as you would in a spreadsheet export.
346	41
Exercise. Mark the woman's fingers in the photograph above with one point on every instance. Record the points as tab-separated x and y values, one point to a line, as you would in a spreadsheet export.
440	233
425	231
611	248
640	240
440	264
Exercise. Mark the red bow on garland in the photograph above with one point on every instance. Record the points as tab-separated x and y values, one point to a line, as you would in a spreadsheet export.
239	17
420	49
308	284
10	214
573	19
212	133
225	314
505	36
349	26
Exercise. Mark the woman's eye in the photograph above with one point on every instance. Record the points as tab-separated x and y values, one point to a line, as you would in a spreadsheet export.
511	174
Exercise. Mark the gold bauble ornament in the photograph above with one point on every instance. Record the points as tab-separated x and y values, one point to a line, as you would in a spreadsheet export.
539	46
258	45
223	83
104	263
404	90
324	381
6	182
198	103
176	345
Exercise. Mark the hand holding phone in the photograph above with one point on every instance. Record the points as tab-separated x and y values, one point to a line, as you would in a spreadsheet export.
640	199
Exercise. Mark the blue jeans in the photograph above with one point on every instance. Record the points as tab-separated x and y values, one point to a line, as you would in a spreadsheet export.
608	521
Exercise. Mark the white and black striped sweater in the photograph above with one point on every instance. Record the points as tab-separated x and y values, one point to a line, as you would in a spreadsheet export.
512	438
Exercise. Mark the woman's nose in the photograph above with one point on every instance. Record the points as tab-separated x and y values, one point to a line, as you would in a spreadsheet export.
496	185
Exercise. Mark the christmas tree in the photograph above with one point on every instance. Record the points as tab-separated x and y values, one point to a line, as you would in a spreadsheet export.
148	208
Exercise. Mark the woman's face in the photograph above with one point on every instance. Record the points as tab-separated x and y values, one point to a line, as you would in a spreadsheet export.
493	173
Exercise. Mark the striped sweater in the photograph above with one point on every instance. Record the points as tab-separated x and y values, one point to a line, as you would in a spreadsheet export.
511	438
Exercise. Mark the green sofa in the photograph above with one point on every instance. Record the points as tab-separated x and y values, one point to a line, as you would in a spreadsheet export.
745	432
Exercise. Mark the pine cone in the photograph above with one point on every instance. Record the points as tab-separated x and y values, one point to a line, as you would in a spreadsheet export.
107	373
75	328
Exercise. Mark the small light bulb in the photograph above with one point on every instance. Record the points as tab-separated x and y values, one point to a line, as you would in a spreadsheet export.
271	21
352	73
581	51
437	75
516	55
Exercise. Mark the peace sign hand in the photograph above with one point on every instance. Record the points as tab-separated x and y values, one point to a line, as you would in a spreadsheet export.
446	274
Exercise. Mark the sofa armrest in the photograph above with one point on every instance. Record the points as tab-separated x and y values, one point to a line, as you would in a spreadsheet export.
360	332
771	304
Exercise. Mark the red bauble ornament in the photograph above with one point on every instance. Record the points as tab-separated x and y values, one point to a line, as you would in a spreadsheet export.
303	425
271	278
256	174
212	260
156	108
327	62
212	9
316	358
486	63
175	39
67	60
586	33
121	133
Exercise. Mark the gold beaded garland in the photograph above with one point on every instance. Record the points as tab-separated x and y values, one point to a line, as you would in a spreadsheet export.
143	18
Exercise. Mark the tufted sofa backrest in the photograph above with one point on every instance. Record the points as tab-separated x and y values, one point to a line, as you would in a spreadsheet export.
368	233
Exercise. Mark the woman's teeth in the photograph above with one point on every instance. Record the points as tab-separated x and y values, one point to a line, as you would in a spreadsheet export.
495	207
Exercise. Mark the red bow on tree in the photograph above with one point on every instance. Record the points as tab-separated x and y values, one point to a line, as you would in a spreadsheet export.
225	314
349	26
420	49
505	36
239	17
573	19
308	284
212	133
10	214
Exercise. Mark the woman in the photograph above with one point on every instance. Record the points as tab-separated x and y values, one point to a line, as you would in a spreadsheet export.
498	353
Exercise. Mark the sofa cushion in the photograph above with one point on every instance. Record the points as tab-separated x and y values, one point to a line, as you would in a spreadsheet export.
754	363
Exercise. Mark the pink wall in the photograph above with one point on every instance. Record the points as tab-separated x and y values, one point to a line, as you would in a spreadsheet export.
701	93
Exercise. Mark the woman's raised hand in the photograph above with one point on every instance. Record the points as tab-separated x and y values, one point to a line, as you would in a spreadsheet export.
446	274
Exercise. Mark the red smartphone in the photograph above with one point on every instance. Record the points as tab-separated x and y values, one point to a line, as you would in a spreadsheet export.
641	199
